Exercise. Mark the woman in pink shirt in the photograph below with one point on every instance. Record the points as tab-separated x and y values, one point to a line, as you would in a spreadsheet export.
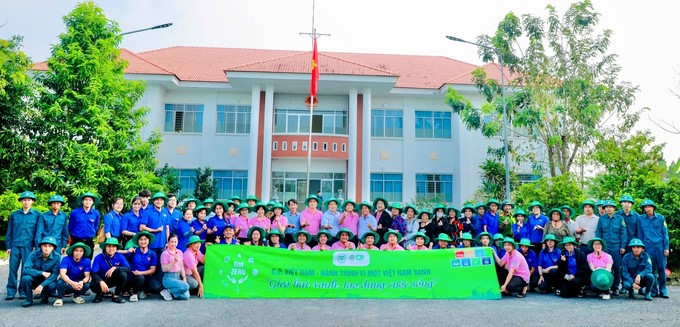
174	277
343	243
302	238
392	237
260	220
192	257
322	240
279	221
368	241
310	218
349	219
599	260
421	242
231	210
518	270
256	236
241	223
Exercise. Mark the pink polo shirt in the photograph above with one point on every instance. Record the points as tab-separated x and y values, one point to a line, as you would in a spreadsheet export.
338	246
515	260
318	248
314	220
296	246
191	260
264	223
364	247
416	248
600	262
387	247
351	222
283	221
242	222
167	257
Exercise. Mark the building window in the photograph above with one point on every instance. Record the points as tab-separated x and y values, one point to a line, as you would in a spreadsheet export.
388	186
292	121
344	147
284	145
435	187
294	146
387	123
304	146
315	146
325	146
187	181
233	119
335	147
275	145
433	124
184	118
231	182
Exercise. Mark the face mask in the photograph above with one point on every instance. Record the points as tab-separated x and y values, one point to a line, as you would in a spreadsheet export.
440	214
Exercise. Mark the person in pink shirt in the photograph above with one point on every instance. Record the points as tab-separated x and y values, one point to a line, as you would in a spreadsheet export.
517	279
231	210
241	223
260	220
279	221
322	240
349	219
301	239
310	218
368	241
343	243
599	259
192	258
392	237
174	277
421	242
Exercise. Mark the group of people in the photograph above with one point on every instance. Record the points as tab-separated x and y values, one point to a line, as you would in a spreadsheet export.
158	247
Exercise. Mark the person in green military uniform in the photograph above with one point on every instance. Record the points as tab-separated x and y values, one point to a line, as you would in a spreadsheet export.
20	241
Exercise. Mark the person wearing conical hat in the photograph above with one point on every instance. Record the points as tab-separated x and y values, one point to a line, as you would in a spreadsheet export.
556	225
611	229
586	224
490	220
653	232
520	229
83	221
344	236
547	265
194	262
382	217
526	248
572	269
310	218
143	266
368	241
43	261
516	269
350	217
468	220
466	240
74	274
322	239
636	270
536	222
54	223
392	237
109	270
630	217
330	221
444	241
412	224
422	242
599	259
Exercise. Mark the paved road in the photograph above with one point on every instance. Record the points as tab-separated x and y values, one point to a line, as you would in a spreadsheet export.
534	310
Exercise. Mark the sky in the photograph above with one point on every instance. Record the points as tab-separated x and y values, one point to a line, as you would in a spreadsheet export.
643	34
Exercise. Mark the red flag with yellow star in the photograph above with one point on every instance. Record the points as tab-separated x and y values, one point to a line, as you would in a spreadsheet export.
315	70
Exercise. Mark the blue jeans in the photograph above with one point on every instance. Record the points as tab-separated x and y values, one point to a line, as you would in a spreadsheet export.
174	283
17	256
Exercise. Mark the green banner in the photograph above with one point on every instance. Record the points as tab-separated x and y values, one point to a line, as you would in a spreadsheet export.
262	272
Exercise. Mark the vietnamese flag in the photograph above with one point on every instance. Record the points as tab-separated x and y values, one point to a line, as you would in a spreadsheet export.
315	70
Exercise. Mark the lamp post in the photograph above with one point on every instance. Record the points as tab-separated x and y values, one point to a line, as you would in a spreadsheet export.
149	28
505	115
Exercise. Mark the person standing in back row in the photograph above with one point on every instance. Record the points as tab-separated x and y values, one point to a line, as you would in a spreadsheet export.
652	230
84	221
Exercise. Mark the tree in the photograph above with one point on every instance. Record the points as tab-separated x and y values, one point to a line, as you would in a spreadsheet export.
170	179
89	137
564	92
206	186
16	95
492	177
551	191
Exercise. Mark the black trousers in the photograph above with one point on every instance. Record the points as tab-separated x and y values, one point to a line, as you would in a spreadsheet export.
571	288
117	281
550	281
146	283
88	241
516	285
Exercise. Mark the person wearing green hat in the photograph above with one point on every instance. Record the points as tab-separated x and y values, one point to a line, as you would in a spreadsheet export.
422	242
497	244
175	285
586	224
466	240
630	217
426	226
484	239
278	220
600	207
330	221
252	200
143	265
392	237
208	203
439	220
506	219
260	219
455	224
83	221
275	239
194	262
131	219
382	217
481	210
526	248
412	223
109	270
548	258
349	218
569	218
556	225
368	241
54	223
322	239
611	229
572	269
520	229
192	203
310	218
218	221
301	237
653	232
537	221
469	220
636	270
444	241
113	219
398	222
173	214
344	236
367	222
155	223
241	223
40	271
599	259
491	220
516	274
256	236
236	199
74	274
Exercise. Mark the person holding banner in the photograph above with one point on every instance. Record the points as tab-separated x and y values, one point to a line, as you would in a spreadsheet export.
322	239
255	236
392	237
422	242
518	274
444	241
274	239
368	241
228	236
344	236
302	237
349	219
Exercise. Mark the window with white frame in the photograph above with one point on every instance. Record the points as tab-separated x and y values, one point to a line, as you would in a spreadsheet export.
387	123
232	119
231	182
433	124
184	118
388	186
295	121
435	186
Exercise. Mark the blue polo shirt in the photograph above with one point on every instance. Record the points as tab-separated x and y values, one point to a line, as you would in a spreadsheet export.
130	222
100	266
153	218
476	225
220	223
363	225
631	223
172	218
532	260
75	270
112	223
143	261
548	259
536	234
21	229
84	224
491	222
292	220
332	219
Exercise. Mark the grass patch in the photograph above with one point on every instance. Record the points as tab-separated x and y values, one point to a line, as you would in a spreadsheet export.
3	255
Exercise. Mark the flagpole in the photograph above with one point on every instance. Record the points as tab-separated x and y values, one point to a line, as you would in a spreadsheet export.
311	110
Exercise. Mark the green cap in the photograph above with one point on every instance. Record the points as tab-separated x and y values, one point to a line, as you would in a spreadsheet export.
302	231
242	206
199	208
375	202
520	212
259	205
559	211
251	197
159	195
497	237
415	210
647	202
366	204
467	206
511	241
91	195
396	205
572	211
609	203
448	209
194	239
466	237
585	203
488	203
549	237
525	242
566	240
375	235
479	237
443	237
602	279
512	205
627	198
312	197
194	200
636	242
208	200
348	201
27	195
48	240
263	234
437	208
332	200
480	204
324	232
536	204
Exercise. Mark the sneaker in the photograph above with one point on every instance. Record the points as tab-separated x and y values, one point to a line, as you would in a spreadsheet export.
648	297
606	296
165	293
9	297
78	300
142	295
134	298
58	302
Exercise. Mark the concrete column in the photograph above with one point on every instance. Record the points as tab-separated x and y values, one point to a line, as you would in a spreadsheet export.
366	148
350	193
252	144
267	143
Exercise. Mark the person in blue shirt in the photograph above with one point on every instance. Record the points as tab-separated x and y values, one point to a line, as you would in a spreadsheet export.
444	241
109	270
199	226
172	214
497	243
636	270
469	220
185	229
548	258
537	221
478	218
653	232
330	221
532	261
20	241
217	222
274	239
153	222
572	269
229	236
143	267
40	272
74	274
466	241
54	223
629	216
84	221
490	220
612	229
130	222
144	196
293	218
520	229
114	219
